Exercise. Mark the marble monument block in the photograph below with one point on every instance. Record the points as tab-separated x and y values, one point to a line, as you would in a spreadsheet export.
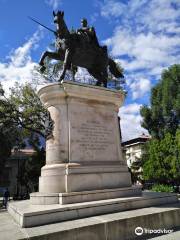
85	174
84	154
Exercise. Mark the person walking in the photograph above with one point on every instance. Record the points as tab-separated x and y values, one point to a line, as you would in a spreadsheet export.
6	197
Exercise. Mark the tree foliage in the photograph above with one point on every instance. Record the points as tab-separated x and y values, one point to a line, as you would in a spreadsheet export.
23	111
161	159
22	121
163	114
30	171
162	188
5	147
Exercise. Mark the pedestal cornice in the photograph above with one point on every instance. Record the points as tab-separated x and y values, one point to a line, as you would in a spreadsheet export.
54	92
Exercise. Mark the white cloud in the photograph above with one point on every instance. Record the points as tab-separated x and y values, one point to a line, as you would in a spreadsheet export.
54	3
83	75
140	87
112	8
162	14
147	33
19	66
136	5
130	108
144	49
21	56
145	40
130	121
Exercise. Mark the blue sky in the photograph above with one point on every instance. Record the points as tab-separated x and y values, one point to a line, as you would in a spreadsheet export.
143	35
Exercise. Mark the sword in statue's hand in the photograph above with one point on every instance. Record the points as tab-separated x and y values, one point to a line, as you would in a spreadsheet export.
34	20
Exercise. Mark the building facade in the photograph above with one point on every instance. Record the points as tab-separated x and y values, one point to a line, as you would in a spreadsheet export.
133	150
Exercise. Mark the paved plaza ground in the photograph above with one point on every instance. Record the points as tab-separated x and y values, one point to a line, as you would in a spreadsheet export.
10	230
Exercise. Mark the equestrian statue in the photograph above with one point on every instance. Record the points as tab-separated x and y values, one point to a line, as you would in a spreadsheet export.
80	48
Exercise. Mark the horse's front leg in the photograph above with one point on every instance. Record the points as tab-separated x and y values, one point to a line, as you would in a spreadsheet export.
41	62
52	55
66	64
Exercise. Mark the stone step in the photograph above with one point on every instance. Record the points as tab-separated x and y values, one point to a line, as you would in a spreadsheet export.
113	226
28	215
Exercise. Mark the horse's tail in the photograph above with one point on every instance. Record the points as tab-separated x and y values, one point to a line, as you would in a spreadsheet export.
115	69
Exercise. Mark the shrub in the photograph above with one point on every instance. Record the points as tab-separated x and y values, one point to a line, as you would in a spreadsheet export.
162	188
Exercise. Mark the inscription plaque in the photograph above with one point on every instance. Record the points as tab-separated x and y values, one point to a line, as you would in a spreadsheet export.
94	136
93	139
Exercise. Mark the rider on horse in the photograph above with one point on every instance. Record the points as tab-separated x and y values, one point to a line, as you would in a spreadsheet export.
90	34
82	49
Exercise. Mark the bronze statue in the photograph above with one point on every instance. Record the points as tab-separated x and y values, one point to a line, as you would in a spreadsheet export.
89	32
81	49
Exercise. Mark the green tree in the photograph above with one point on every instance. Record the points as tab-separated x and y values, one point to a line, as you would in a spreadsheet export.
10	133
30	171
22	119
24	111
163	114
5	148
136	171
161	159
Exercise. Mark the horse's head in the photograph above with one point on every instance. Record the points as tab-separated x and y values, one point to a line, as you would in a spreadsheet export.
62	30
58	17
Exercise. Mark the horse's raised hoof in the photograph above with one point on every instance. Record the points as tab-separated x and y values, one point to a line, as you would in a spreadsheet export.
42	69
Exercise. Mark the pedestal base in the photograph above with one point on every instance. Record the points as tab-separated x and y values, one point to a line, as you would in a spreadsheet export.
73	177
33	215
85	196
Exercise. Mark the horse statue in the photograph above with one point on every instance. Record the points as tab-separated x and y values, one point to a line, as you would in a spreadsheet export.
75	49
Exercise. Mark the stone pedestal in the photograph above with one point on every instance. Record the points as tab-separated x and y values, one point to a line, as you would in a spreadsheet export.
84	153
85	174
